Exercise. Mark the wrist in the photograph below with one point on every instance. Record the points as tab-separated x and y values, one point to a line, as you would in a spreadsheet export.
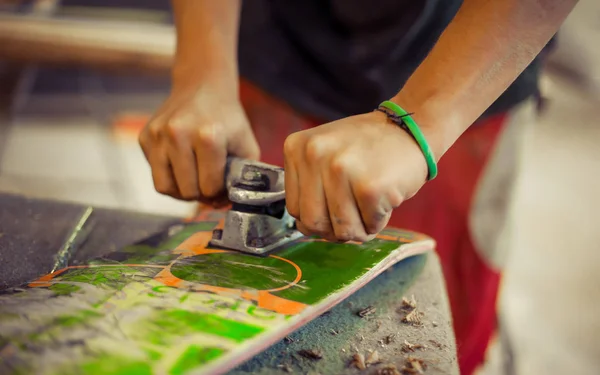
436	122
192	73
404	120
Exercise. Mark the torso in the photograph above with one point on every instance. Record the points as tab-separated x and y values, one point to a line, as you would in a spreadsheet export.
335	58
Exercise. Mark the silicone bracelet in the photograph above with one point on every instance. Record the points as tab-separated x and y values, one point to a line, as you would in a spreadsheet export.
417	134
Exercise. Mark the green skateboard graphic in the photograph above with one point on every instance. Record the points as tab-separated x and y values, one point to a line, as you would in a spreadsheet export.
173	305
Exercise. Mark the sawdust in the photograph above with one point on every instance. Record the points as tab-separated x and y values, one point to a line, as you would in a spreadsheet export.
361	362
369	310
358	360
414	317
414	366
372	358
388	339
311	354
285	367
409	304
389	369
436	344
407	347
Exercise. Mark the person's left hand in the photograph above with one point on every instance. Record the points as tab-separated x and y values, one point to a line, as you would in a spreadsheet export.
344	178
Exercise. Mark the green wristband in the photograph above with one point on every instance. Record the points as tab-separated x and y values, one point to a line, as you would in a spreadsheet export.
417	134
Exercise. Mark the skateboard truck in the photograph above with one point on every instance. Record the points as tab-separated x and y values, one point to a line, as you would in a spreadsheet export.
258	221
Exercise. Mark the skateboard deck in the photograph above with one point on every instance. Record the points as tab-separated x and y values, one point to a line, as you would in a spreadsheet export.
171	304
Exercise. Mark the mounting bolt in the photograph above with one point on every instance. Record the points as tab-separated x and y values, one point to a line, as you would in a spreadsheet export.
252	175
256	242
217	234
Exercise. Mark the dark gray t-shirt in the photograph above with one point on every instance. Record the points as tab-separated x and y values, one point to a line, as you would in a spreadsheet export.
334	58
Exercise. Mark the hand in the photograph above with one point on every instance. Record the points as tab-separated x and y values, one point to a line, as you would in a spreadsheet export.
344	178
188	140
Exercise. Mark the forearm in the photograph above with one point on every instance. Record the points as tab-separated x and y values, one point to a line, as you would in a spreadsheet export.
483	50
207	34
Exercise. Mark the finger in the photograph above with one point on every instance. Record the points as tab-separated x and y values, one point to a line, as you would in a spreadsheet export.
375	207
314	214
344	213
307	232
302	229
292	150
244	145
292	189
185	171
162	175
154	148
211	157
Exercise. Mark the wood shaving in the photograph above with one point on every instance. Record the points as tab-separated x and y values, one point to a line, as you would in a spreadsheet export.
407	347
311	354
388	339
436	344
372	358
285	367
409	304
414	366
414	317
333	331
389	369
358	360
366	311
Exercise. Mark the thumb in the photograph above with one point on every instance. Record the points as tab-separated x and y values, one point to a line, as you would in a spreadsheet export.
244	145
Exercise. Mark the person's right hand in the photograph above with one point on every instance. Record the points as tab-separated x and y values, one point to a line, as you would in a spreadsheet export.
188	140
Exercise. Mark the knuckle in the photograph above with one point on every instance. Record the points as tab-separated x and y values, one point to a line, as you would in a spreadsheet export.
293	211
396	199
189	195
173	130
339	165
154	130
165	189
344	234
368	193
318	226
314	149
377	222
206	136
373	228
143	138
210	191
290	145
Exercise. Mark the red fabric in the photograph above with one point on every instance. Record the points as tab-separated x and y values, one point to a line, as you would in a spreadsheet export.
440	210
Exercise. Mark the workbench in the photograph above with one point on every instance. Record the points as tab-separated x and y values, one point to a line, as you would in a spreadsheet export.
32	231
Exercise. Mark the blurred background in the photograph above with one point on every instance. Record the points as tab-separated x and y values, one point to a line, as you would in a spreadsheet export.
78	79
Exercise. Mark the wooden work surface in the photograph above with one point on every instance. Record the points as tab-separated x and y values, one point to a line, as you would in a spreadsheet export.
32	231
